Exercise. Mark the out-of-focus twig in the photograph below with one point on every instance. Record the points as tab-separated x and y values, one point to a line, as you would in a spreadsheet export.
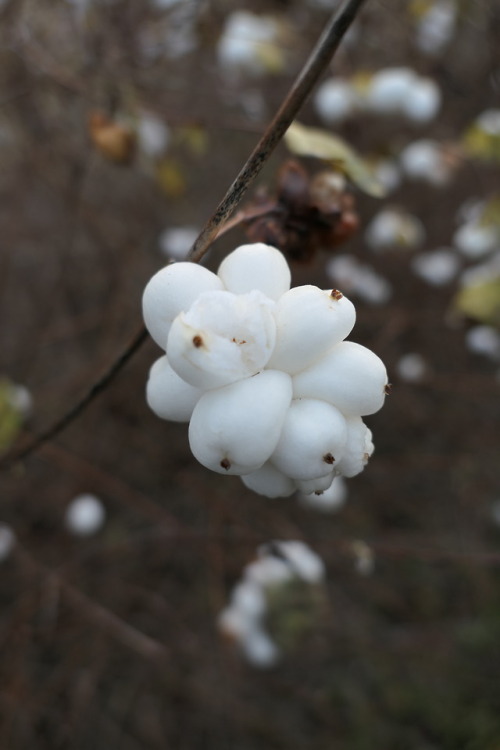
315	65
121	631
59	425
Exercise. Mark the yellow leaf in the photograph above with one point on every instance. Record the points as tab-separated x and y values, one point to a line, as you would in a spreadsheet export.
480	301
305	141
171	178
419	8
10	417
195	138
271	57
480	144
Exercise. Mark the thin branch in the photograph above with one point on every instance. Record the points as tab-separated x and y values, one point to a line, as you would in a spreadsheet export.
318	60
99	385
315	65
142	644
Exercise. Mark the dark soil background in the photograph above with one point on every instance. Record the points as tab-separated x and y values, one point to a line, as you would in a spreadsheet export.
111	642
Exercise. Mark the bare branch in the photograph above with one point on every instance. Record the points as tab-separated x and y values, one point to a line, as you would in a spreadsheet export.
318	60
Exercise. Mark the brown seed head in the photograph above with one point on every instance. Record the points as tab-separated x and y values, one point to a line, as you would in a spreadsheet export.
197	341
335	294
328	458
226	464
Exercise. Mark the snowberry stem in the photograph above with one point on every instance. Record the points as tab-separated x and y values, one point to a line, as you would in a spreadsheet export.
319	58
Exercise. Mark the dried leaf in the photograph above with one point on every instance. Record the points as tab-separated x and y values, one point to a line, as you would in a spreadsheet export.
305	141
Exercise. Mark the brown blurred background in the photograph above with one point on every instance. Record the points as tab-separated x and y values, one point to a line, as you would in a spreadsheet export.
110	641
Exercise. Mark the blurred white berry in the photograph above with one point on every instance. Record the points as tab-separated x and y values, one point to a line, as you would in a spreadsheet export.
153	135
489	121
389	88
304	563
335	100
359	279
403	91
394	228
85	515
436	27
7	541
483	340
437	267
21	399
475	239
364	559
260	649
423	160
424	101
328	501
247	42
318	484
269	481
411	367
388	174
176	242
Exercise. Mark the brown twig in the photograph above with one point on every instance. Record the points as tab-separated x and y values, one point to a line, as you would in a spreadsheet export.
59	425
318	60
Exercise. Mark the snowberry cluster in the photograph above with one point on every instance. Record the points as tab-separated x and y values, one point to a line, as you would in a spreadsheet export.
261	372
244	619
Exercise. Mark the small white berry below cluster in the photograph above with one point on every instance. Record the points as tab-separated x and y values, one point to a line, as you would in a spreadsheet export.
85	515
278	565
261	372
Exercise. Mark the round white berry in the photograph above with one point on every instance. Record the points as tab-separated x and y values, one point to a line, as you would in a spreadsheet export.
305	563
168	395
235	429
85	515
328	501
350	377
309	322
248	598
269	481
423	102
335	100
259	648
358	449
312	439
474	239
256	266
7	541
172	290
389	88
223	337
319	484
